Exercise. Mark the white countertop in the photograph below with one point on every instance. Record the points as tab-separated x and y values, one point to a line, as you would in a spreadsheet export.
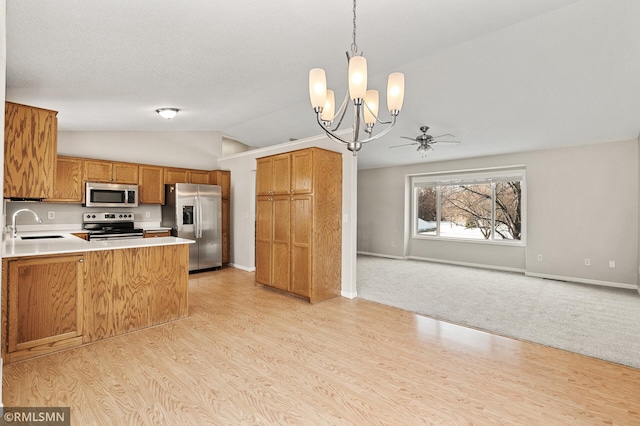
72	244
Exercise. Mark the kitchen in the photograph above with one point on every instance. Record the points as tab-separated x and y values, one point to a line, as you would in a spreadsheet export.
88	273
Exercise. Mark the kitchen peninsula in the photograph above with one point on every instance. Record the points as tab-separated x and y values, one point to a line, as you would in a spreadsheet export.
61	291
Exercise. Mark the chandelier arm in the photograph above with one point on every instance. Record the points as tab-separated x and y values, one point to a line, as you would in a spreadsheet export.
376	117
342	111
381	134
329	132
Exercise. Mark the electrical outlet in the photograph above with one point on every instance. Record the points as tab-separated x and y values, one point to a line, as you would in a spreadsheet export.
147	214
539	258
612	264
51	215
587	262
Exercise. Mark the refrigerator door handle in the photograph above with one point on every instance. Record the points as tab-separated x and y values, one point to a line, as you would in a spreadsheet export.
196	217
200	216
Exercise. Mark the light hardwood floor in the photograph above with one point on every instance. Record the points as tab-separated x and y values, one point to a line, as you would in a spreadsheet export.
250	355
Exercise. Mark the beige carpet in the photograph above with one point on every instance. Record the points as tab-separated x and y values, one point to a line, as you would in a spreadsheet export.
601	322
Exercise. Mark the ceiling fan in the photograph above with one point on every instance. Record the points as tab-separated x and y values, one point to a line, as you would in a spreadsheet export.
426	142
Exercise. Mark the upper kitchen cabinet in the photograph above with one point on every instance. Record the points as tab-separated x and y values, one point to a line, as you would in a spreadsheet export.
30	146
110	171
151	185
273	175
68	182
177	175
198	176
173	175
222	178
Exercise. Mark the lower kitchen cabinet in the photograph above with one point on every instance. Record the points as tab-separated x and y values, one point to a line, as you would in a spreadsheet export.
50	303
42	305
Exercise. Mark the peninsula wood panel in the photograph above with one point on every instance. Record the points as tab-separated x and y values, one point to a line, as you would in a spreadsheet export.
131	289
30	147
44	305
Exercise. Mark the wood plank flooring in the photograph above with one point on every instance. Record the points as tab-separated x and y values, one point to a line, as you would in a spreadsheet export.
250	355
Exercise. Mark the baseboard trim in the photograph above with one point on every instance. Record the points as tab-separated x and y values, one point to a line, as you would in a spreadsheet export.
582	280
474	265
390	256
244	268
349	295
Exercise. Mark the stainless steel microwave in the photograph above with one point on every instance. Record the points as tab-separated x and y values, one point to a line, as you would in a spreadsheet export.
99	194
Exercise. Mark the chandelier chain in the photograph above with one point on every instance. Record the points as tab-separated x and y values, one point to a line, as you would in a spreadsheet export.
354	46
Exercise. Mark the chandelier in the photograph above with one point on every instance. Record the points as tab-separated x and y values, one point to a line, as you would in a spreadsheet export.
365	102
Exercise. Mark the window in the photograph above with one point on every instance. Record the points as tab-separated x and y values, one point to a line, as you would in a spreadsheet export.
483	206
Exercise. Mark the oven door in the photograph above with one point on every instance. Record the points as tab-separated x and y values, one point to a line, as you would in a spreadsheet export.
110	195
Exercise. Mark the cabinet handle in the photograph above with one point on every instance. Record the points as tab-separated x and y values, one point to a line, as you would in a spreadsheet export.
81	260
292	191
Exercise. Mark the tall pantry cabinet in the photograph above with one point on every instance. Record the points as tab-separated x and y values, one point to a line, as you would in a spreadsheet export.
298	222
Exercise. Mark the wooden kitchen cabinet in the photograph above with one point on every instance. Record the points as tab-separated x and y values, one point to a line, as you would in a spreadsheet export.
198	176
173	175
110	171
222	178
151	185
299	235
68	183
30	147
42	305
273	175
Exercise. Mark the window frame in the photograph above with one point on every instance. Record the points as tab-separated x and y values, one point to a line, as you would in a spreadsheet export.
491	176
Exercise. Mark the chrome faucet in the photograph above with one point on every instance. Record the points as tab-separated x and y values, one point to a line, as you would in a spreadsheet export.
14	230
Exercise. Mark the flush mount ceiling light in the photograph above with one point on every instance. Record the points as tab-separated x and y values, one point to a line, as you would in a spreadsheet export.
365	102
167	113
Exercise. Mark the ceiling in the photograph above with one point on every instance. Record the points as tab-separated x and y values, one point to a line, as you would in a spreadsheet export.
501	75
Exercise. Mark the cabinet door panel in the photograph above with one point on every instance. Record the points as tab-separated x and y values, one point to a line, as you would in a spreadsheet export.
281	242
68	184
97	171
125	173
264	178
302	172
151	185
172	176
281	174
198	176
30	148
264	211
301	231
45	301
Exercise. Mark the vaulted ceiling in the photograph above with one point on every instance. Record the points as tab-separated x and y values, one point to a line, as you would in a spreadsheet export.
501	75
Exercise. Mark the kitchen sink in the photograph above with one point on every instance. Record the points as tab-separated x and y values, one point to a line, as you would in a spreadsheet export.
41	237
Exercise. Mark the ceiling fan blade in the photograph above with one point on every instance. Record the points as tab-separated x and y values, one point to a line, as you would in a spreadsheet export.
446	134
446	142
404	144
407	137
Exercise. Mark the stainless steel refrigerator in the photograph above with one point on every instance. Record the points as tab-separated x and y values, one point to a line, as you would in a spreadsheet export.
193	211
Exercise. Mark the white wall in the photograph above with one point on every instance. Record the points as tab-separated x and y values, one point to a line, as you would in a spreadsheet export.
188	149
243	213
582	202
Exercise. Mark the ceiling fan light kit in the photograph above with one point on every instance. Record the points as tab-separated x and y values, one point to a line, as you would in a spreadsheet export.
365	102
424	141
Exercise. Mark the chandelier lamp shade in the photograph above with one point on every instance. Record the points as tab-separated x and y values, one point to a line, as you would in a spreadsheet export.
365	102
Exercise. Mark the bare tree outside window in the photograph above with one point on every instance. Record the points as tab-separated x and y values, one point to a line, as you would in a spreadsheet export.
475	211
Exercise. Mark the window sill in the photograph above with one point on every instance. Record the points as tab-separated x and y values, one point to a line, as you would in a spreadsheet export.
511	243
